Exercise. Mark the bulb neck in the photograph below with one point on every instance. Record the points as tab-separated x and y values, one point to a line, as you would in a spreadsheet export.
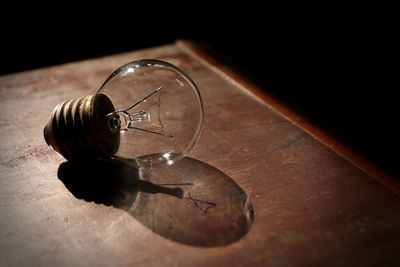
79	129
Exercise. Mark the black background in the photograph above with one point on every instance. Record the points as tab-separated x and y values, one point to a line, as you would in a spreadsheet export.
337	65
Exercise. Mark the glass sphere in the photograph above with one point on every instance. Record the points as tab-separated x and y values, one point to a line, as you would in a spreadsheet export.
158	111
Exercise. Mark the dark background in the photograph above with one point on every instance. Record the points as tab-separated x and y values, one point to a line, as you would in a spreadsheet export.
336	65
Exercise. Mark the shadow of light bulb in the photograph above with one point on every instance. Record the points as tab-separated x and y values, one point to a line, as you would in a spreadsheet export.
189	202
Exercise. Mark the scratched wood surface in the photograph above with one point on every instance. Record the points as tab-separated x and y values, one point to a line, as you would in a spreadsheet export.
269	193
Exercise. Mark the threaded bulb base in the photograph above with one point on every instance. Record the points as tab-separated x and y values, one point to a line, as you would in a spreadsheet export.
78	129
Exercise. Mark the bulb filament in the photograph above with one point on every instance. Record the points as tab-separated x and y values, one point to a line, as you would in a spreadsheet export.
121	120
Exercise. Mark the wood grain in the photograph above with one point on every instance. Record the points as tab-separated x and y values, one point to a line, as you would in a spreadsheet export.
287	112
311	205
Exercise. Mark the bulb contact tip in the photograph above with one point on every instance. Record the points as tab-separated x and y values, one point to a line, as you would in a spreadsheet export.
46	138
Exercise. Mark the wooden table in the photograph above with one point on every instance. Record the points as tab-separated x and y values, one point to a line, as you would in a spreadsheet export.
261	188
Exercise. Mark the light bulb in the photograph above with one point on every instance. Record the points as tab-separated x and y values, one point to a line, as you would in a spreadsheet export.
147	111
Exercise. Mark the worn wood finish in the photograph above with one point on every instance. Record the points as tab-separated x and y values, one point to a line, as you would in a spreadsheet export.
309	205
286	111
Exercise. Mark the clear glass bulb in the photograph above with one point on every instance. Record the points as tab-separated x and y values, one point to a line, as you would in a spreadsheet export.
158	111
147	111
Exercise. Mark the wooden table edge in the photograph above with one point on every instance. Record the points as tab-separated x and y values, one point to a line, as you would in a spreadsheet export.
278	106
